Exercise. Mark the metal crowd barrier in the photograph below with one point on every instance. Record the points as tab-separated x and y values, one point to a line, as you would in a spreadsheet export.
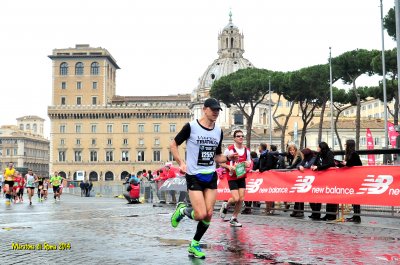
149	192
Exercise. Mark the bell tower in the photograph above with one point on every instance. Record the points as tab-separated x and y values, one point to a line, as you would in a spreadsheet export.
230	41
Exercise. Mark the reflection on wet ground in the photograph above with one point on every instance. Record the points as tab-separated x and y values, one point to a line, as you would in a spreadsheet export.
104	230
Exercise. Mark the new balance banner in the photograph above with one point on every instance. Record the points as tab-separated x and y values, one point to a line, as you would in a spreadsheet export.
371	185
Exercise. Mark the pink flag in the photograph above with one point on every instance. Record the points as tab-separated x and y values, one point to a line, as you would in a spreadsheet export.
392	134
370	146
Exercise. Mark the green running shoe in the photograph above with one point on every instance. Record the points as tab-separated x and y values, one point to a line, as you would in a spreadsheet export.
195	251
177	216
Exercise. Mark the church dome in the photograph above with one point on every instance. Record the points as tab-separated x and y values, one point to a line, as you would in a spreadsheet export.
230	51
222	67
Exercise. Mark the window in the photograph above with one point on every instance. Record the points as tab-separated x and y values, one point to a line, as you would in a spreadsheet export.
78	128
125	155
79	85
78	101
93	141
34	127
141	142
109	128
93	156
125	128
15	151
78	156
62	100
94	85
61	156
238	118
363	141
141	128
8	152
125	141
369	106
78	142
93	128
140	156
79	68
170	156
288	104
377	141
28	127
94	68
172	128
376	104
62	141
94	100
109	156
156	155
363	108
21	127
62	129
63	85
156	127
109	141
63	69
156	141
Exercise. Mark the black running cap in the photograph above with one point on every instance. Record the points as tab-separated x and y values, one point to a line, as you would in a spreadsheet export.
212	103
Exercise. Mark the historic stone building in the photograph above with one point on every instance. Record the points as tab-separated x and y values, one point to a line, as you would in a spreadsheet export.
230	59
24	148
104	135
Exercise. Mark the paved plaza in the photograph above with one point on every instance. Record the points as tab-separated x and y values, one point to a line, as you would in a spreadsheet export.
80	230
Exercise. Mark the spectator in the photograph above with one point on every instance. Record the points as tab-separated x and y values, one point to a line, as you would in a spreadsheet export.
83	190
351	158
87	188
324	160
150	175
307	162
133	192
90	187
280	159
266	162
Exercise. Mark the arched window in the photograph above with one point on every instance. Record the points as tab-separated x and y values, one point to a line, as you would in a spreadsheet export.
79	68
94	68
124	174
231	42
64	69
28	127
226	43
93	176
34	128
109	176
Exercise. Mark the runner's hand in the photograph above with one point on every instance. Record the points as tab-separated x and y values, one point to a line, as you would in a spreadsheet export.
182	168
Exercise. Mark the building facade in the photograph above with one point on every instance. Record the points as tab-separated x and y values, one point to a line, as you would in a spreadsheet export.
25	149
104	135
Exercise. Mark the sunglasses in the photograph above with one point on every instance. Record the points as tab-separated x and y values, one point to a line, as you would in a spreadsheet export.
239	136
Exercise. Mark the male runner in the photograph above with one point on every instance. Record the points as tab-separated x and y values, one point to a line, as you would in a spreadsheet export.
237	184
40	188
30	184
56	182
203	148
9	173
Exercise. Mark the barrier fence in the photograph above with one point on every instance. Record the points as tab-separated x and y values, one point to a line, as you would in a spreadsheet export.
375	188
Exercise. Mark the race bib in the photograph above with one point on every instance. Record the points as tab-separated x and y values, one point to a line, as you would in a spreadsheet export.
206	155
240	169
29	183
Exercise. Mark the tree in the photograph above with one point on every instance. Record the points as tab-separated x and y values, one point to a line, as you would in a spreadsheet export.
351	65
389	23
245	89
391	86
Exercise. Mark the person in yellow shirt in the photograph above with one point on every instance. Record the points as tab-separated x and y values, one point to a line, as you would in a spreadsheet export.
9	173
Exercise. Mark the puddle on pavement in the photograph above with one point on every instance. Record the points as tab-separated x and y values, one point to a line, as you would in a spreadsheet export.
16	227
174	242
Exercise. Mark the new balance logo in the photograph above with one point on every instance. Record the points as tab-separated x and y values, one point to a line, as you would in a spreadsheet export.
303	184
253	185
376	185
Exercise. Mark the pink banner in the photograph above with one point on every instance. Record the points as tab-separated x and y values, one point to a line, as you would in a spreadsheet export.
370	146
370	185
392	134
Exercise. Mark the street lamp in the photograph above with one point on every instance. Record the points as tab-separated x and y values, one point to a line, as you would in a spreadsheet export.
331	99
270	113
384	82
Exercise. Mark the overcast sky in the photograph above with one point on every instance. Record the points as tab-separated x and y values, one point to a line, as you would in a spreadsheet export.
163	47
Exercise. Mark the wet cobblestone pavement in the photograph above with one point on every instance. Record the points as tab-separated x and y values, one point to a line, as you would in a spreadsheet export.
108	231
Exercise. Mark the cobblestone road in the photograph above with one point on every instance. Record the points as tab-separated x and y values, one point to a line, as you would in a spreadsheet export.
108	231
